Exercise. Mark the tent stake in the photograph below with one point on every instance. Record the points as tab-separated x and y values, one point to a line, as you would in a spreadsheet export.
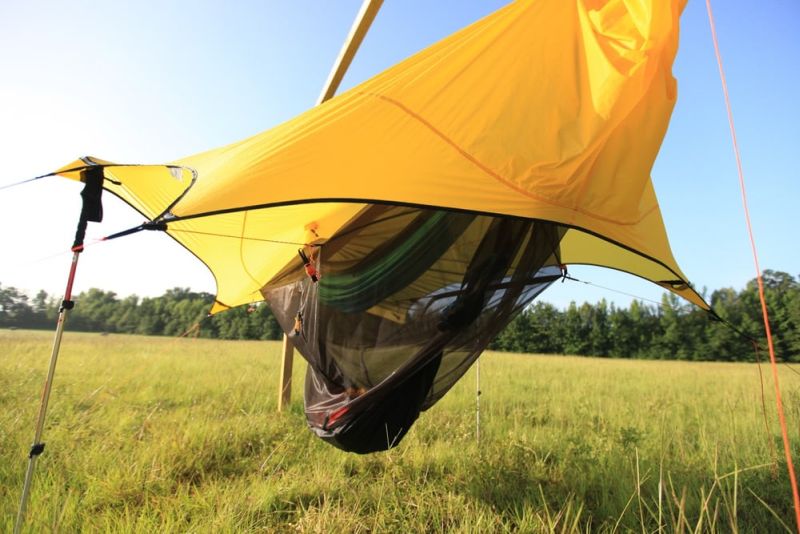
362	22
38	447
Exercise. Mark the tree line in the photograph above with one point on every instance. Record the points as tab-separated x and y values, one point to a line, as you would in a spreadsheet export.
177	312
672	330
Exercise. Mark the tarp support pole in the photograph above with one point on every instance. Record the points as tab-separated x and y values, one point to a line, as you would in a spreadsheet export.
285	393
364	18
91	211
285	381
38	447
362	22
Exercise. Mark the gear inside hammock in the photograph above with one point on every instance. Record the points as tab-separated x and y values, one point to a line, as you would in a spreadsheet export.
393	310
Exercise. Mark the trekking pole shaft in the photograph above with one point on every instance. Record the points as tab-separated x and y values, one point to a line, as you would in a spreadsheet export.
37	446
24	499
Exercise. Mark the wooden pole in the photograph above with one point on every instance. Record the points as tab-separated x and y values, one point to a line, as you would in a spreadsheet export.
285	392
364	18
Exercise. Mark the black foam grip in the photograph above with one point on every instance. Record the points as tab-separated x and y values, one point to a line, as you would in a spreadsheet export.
92	208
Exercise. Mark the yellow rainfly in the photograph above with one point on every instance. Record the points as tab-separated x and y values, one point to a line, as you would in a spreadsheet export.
549	109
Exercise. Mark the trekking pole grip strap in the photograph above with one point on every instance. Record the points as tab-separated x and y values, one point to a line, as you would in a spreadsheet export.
92	208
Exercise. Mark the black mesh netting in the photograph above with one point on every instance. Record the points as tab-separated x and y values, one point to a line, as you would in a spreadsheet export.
406	300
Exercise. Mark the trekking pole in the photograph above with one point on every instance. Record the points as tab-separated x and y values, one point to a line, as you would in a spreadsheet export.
91	210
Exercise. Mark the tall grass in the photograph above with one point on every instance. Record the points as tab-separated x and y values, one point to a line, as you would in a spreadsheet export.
181	435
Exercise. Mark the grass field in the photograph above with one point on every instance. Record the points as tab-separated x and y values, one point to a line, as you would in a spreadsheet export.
181	435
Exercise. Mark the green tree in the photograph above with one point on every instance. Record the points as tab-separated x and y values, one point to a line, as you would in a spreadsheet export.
150	317
623	335
793	320
723	343
674	341
14	308
92	310
780	291
647	328
576	330
599	329
516	336
125	317
546	330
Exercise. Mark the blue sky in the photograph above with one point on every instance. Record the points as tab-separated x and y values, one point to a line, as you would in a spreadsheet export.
150	82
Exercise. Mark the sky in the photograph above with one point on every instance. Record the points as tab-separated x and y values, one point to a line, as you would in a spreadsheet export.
153	81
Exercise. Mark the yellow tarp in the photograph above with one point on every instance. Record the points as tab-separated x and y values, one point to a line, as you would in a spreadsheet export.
548	109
